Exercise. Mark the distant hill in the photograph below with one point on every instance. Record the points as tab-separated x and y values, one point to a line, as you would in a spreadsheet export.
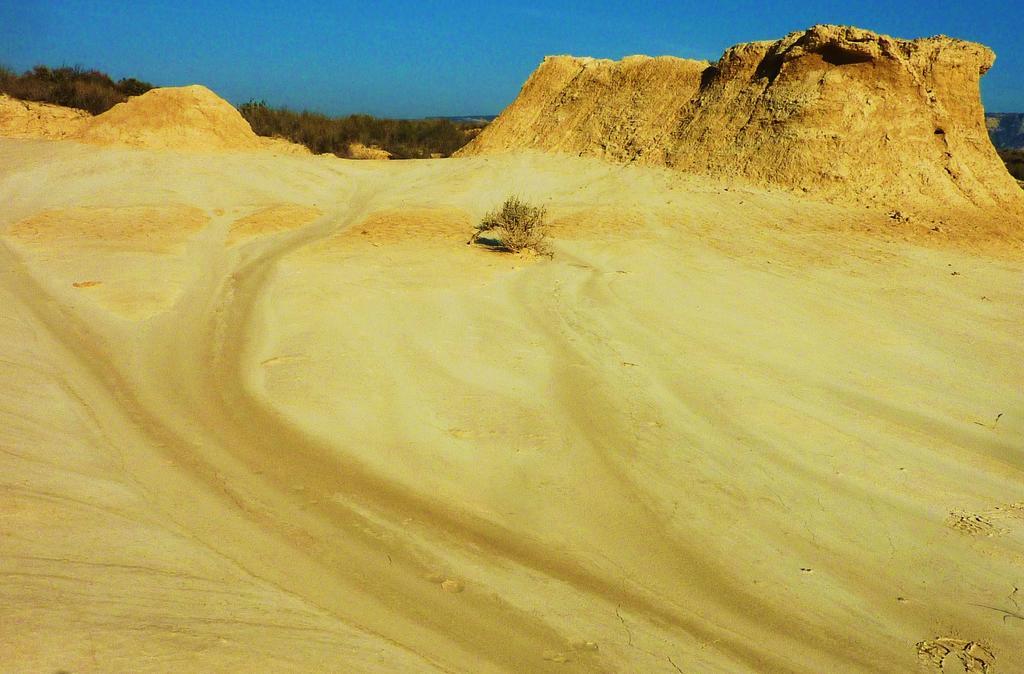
482	120
1006	129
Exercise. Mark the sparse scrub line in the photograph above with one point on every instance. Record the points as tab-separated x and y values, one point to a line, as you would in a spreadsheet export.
516	227
72	87
402	138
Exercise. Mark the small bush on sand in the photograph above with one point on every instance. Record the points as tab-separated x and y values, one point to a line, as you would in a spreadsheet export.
517	225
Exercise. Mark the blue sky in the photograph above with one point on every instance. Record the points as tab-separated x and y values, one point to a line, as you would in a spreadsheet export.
415	58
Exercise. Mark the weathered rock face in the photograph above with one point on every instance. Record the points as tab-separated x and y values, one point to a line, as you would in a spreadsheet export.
174	118
832	110
623	110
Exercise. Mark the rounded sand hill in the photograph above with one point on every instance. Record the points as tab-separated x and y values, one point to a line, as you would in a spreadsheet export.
173	118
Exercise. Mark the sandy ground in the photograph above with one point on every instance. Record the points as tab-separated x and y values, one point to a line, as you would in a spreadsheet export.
266	413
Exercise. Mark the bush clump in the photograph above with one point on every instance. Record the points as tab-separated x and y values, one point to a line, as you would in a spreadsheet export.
402	138
517	225
74	87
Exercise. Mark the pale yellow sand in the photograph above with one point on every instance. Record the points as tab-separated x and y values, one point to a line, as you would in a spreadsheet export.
268	413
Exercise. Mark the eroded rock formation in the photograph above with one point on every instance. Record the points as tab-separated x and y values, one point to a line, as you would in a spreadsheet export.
832	110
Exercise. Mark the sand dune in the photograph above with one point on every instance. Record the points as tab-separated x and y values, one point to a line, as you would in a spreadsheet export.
264	413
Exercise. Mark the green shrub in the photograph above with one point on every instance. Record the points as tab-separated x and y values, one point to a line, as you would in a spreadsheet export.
517	225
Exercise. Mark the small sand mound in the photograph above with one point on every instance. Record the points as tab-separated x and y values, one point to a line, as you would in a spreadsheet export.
189	118
284	146
27	119
360	151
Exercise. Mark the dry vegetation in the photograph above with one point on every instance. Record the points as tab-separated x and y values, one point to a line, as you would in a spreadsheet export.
518	226
402	138
73	87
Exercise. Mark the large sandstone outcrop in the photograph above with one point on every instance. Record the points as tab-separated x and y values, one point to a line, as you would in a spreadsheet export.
174	118
832	110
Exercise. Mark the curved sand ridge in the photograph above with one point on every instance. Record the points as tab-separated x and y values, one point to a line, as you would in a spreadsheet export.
833	110
721	431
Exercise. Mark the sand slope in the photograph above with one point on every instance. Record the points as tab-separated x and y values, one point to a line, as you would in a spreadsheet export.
723	430
29	119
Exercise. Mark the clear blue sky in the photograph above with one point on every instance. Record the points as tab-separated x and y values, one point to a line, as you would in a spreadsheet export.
415	58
